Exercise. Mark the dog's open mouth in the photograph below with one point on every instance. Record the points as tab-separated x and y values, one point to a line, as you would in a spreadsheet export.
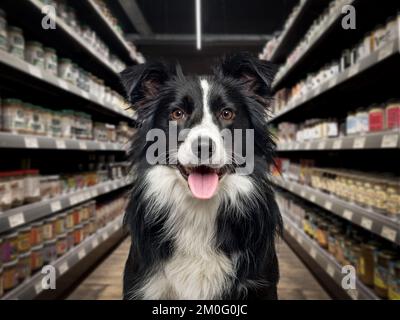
202	180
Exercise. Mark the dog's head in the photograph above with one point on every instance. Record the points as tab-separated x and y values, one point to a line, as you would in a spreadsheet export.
207	122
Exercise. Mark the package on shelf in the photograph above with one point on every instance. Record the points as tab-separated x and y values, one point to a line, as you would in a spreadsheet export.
24	251
376	262
372	41
376	118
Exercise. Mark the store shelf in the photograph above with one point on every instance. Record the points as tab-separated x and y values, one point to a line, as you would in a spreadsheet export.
369	220
361	66
32	287
307	12
13	218
17	141
115	34
323	31
327	263
32	72
379	141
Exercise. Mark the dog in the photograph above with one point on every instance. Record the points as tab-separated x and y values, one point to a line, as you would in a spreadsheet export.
200	230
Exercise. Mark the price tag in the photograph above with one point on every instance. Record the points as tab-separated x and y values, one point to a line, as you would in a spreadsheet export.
332	82
308	145
321	145
73	200
328	205
303	193
81	254
16	220
94	193
63	268
347	214
116	227
297	147
337	144
317	91
313	253
63	84
35	71
366	223
390	141
312	198
359	143
385	52
82	145
60	144
31	142
102	146
300	239
95	243
291	188
389	233
105	236
107	189
85	94
38	287
55	206
330	270
353	70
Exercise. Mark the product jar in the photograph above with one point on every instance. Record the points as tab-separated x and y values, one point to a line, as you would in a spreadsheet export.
393	115
62	244
5	191
24	240
69	220
10	275
65	70
37	258
49	251
394	281
366	263
381	274
16	42
48	230
51	61
9	248
34	54
77	215
36	237
32	186
70	239
24	266
60	224
3	32
376	119
15	119
17	188
78	234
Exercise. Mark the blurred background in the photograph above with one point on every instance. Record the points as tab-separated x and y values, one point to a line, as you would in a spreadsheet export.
65	128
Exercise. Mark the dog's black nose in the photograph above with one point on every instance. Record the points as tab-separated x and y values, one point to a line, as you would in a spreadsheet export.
203	148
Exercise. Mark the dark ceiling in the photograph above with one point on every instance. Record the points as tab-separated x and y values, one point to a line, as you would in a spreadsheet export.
165	29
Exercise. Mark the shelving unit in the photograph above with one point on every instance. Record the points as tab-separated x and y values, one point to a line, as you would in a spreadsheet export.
307	12
365	83
16	217
380	140
32	287
366	219
325	261
373	60
23	81
17	141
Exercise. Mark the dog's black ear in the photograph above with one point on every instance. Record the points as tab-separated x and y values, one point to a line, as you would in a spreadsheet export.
257	75
144	81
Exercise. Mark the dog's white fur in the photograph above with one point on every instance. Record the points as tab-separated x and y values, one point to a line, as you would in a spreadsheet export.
196	270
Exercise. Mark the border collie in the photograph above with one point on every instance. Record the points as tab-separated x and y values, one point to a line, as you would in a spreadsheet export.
201	230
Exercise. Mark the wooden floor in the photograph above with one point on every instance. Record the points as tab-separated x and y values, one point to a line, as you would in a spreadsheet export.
105	282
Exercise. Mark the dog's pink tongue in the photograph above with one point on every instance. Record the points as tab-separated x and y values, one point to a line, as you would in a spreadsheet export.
203	186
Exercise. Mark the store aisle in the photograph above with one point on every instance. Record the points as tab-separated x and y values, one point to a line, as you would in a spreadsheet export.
105	282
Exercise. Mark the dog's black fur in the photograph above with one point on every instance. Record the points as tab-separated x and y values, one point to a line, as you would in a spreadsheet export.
152	90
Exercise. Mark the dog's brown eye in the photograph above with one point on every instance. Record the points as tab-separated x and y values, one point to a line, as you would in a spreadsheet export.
177	114
227	114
